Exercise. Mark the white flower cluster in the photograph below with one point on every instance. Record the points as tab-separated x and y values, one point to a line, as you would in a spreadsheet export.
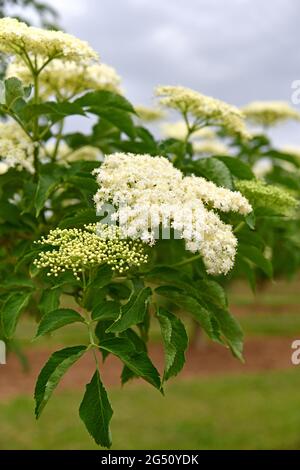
66	79
80	249
148	114
148	192
270	113
16	148
16	38
204	109
210	147
66	155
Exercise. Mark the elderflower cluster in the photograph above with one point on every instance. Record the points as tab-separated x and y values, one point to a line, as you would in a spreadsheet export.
271	197
292	150
270	113
210	147
178	130
204	109
66	154
16	38
16	148
148	114
148	192
67	79
80	249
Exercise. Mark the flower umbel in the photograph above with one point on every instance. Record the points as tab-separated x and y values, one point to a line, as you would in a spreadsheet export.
66	79
149	192
205	110
270	113
148	114
16	38
80	249
16	148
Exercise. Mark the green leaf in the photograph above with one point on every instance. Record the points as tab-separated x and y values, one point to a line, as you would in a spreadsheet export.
52	372
17	282
83	182
285	156
46	185
250	220
247	270
101	335
106	310
175	342
255	256
56	319
214	170
237	167
230	329
120	119
137	361
191	305
82	217
2	93
9	213
105	99
52	110
133	312
49	300
11	311
213	292
96	411
13	90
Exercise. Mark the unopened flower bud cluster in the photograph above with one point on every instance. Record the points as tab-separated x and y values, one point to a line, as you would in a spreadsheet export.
80	249
267	196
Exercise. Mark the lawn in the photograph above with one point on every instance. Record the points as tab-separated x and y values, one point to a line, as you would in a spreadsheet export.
234	412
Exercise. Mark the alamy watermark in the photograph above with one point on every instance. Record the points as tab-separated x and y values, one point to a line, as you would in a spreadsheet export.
162	221
2	353
295	96
295	357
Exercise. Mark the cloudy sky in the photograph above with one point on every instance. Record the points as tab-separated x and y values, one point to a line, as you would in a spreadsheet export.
235	50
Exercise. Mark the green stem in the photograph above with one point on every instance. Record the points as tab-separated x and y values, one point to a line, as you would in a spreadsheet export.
187	261
58	140
36	121
239	227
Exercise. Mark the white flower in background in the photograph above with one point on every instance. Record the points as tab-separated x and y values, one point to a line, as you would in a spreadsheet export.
16	148
205	110
178	130
148	114
67	79
262	167
3	168
270	113
149	191
210	147
18	39
66	154
292	150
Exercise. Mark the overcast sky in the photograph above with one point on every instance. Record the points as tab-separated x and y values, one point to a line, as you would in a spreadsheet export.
235	50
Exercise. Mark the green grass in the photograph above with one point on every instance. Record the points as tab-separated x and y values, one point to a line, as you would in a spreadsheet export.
234	412
270	324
